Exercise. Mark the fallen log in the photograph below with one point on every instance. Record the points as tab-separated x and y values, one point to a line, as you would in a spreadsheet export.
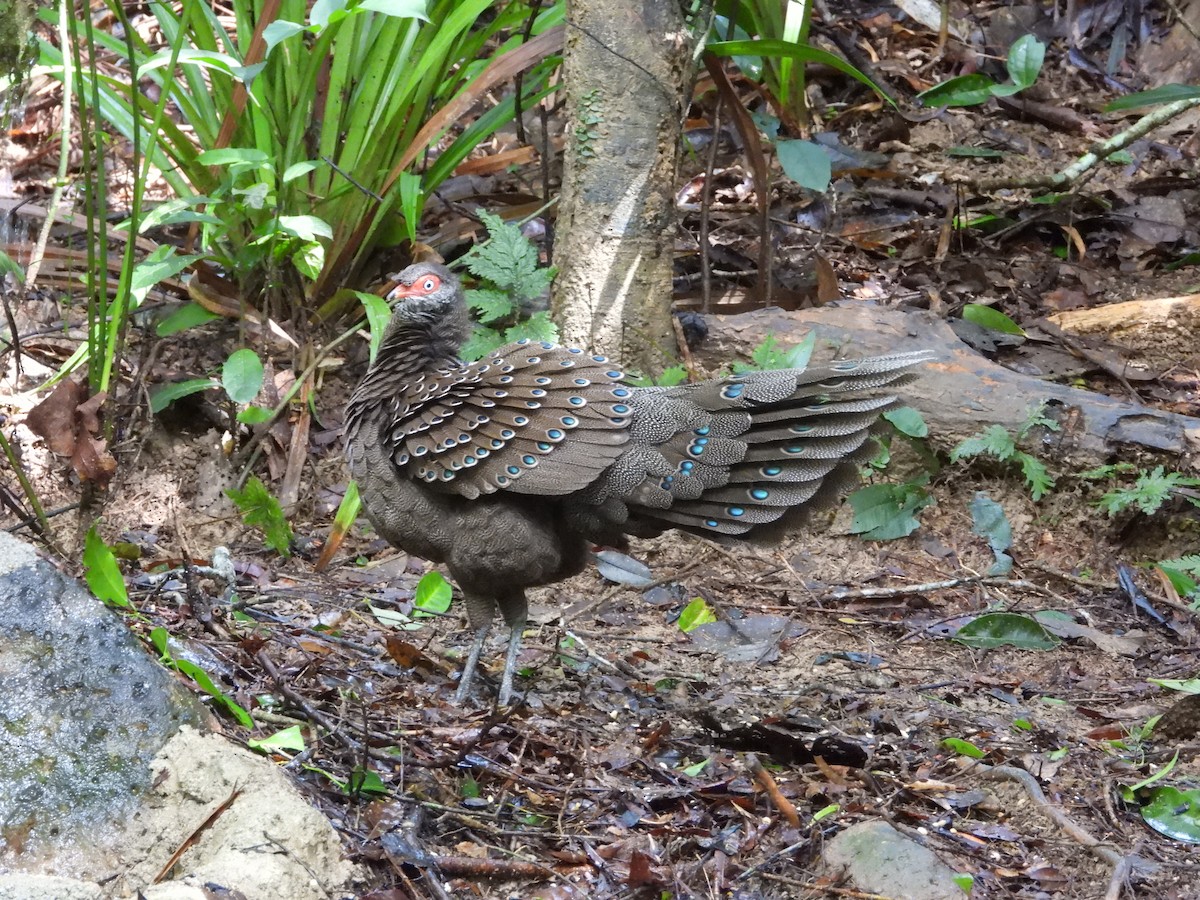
960	392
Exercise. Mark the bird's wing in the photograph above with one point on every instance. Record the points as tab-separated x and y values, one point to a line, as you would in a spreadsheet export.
532	418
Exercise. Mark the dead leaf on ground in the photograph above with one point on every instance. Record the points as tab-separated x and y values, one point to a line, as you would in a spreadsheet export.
69	422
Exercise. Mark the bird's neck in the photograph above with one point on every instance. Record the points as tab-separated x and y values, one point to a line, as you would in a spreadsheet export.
411	346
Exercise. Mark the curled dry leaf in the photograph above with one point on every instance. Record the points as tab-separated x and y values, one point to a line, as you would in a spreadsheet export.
69	422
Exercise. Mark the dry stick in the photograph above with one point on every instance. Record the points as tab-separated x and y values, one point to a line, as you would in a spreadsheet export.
782	803
758	164
195	835
519	79
1093	157
619	666
1054	814
710	164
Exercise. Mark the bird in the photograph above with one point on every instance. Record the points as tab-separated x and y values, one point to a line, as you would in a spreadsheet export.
511	468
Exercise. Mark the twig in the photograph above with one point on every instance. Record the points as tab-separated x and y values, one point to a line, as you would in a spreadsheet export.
782	803
619	666
195	835
1121	863
519	78
1091	159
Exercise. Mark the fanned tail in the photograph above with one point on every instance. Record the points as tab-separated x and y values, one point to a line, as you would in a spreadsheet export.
725	456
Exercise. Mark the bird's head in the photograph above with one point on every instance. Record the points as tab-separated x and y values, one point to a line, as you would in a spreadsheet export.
426	291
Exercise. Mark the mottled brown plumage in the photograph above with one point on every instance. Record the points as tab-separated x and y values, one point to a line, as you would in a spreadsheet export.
509	468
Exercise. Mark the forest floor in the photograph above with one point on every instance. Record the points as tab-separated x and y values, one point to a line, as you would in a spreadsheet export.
638	759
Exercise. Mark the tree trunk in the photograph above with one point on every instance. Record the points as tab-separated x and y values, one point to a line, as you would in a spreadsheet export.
627	68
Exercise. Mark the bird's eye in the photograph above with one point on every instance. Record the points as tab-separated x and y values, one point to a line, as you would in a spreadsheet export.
429	285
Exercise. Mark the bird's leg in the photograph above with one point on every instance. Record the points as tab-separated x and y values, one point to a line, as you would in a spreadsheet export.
510	662
480	610
468	672
516	611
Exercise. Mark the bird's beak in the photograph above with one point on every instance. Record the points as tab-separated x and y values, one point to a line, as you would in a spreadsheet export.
400	291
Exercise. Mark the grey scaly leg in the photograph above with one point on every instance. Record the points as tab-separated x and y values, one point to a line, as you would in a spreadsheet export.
468	672
510	663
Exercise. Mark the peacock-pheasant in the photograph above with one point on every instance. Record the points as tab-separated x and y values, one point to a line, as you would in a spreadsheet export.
508	469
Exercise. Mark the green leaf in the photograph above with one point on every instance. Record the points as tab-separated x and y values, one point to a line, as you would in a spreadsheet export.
1175	813
407	9
261	510
206	684
347	510
412	201
963	748
483	340
490	304
771	354
993	441
1006	629
990	522
227	156
884	512
9	266
965	90
307	228
1025	58
695	614
1183	583
987	317
696	768
1189	686
1167	93
907	421
365	782
806	163
279	31
309	259
180	211
432	596
242	375
288	739
101	572
672	376
1039	480
163	395
379	313
508	260
772	47
163	263
826	811
295	170
254	415
187	316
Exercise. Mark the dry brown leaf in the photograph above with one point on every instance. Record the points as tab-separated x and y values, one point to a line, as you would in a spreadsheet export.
69	422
